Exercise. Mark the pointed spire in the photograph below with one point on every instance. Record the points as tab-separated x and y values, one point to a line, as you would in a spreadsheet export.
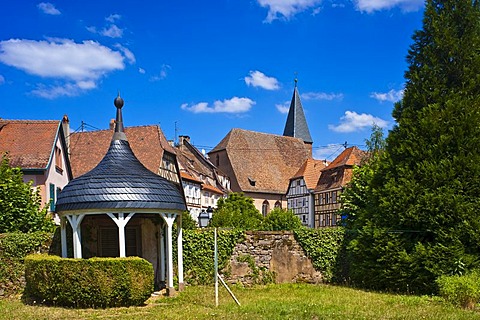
119	129
296	125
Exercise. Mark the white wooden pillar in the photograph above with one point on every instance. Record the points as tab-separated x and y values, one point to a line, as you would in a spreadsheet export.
63	236
181	285
169	219
161	245
121	221
75	221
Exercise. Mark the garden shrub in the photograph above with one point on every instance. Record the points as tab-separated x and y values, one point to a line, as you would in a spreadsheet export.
13	249
281	220
461	290
95	282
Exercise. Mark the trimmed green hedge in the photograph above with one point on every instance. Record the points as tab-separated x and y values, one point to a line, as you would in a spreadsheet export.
95	282
326	248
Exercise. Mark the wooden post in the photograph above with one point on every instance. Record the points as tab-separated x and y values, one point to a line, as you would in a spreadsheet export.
169	219
75	221
121	222
63	236
181	285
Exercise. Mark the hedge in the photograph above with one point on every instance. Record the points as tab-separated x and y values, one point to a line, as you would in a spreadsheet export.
84	283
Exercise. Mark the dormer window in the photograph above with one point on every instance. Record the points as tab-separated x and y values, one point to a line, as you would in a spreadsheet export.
251	181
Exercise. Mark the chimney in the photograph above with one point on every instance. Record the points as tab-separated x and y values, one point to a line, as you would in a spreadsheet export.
112	124
66	131
181	138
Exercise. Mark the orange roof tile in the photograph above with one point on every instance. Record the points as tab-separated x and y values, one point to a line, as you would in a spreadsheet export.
147	142
310	172
211	188
29	143
186	176
340	171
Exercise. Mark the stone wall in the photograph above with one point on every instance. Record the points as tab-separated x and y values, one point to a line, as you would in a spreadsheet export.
270	256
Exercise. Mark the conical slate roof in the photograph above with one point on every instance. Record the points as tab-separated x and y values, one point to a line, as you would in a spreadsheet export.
120	182
296	125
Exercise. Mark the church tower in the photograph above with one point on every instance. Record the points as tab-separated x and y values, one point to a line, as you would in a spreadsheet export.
296	125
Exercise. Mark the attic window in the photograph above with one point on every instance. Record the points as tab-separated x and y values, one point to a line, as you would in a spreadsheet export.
251	181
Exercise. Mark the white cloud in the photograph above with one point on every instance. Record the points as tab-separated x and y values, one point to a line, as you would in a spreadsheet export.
113	17
391	96
286	9
283	108
233	105
163	73
48	8
353	121
328	152
112	31
127	53
322	96
52	92
2	80
78	65
259	79
376	5
141	70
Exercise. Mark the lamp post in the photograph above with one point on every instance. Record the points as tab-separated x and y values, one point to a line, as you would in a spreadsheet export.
203	219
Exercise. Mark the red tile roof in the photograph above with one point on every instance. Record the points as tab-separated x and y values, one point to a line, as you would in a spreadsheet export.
186	176
310	172
269	160
340	171
88	148
211	188
29	143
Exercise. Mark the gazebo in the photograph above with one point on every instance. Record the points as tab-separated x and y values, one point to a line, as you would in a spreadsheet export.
122	190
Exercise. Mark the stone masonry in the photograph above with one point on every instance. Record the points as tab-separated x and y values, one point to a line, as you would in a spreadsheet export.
270	255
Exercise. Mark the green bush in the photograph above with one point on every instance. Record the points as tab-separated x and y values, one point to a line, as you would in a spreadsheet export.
95	282
462	290
281	220
325	247
13	249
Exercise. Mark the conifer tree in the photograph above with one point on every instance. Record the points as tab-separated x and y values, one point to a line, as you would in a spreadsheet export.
423	218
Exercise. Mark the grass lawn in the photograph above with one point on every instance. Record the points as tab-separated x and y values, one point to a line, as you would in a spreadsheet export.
286	301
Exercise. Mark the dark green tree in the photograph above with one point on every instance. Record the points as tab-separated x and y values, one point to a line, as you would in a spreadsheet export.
423	216
20	206
236	211
280	219
357	195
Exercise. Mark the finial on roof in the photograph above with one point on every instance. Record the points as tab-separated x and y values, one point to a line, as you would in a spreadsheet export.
118	102
296	80
119	130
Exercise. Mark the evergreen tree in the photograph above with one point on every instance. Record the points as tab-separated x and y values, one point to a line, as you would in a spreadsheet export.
423	218
20	205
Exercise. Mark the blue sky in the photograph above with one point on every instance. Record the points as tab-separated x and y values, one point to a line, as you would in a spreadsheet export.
206	67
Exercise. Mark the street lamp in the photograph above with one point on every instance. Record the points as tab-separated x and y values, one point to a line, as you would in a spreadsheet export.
203	219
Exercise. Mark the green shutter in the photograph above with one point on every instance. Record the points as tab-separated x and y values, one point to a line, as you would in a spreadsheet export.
52	197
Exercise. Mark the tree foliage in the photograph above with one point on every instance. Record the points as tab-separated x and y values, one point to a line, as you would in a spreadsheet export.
236	211
20	206
422	213
280	219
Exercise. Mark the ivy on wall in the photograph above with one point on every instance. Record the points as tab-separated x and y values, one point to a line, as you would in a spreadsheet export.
326	248
198	252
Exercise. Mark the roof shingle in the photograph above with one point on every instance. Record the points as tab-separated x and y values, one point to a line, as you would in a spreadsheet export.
29	143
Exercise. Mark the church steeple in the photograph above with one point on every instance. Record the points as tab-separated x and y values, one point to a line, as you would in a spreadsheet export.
296	125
